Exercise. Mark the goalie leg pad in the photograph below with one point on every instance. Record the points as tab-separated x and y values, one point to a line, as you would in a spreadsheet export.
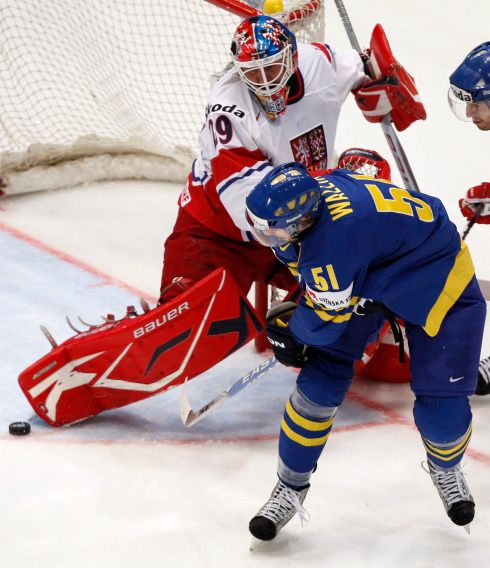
121	362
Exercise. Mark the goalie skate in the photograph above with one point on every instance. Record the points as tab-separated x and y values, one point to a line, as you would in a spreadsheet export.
483	385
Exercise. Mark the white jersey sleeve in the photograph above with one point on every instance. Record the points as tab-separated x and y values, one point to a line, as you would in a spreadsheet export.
349	70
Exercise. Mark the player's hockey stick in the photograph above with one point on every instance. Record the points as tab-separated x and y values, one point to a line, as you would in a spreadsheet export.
394	144
472	221
190	417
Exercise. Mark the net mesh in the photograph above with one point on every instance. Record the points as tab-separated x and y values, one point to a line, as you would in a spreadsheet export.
95	83
361	166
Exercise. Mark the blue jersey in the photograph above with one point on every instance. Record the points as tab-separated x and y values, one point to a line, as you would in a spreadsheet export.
375	240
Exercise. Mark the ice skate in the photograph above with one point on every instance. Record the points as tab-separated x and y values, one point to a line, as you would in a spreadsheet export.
454	492
281	507
483	386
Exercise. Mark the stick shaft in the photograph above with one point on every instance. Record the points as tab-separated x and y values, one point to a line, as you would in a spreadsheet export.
472	221
236	7
190	417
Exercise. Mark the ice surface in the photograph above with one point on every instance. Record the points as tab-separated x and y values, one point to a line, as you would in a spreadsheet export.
133	486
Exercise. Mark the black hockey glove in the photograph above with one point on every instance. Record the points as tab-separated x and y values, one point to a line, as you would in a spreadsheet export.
286	349
367	307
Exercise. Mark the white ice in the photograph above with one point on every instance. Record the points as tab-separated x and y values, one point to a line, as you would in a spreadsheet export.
134	487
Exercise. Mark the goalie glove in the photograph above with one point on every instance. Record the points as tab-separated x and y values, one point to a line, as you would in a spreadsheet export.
365	162
286	349
477	202
392	92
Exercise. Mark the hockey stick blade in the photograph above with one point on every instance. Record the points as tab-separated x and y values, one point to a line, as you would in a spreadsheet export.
190	417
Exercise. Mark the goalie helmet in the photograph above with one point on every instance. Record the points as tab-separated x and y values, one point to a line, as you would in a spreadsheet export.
265	55
470	83
365	162
283	205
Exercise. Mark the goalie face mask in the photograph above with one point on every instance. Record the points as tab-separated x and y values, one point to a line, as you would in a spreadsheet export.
265	56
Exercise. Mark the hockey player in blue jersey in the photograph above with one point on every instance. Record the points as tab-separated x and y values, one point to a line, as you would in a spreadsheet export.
469	99
362	250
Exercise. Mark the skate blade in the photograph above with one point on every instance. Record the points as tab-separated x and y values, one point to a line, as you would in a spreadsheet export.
257	544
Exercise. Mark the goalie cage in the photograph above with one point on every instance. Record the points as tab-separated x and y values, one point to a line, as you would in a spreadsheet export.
112	90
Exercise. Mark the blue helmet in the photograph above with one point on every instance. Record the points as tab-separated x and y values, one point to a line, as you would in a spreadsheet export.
265	55
283	205
470	83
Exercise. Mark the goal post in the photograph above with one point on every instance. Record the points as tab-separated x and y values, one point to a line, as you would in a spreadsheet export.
96	90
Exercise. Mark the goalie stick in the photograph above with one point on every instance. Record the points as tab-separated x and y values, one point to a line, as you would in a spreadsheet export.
236	7
392	140
300	11
394	143
190	417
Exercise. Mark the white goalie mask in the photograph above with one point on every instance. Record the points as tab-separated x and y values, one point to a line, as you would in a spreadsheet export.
265	55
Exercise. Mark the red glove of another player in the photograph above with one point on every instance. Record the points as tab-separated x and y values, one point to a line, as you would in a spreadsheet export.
477	198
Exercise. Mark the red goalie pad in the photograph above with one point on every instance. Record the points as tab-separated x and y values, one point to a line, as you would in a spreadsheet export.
381	361
124	361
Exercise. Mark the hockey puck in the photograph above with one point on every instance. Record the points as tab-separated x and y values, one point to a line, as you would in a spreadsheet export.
19	428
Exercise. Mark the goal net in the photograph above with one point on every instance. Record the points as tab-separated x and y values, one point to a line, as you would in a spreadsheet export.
108	89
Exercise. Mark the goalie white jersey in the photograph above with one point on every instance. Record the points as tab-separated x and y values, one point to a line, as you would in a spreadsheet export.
239	144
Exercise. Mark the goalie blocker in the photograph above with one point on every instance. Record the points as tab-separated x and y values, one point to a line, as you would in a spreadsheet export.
124	361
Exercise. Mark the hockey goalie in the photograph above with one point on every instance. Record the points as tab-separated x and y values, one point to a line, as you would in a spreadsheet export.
131	359
123	361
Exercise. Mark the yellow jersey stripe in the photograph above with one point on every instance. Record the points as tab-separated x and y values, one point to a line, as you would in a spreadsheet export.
301	439
370	178
448	458
293	268
304	422
458	278
325	316
464	442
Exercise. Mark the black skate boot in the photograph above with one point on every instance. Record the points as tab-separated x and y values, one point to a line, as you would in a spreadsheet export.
483	386
454	493
281	507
